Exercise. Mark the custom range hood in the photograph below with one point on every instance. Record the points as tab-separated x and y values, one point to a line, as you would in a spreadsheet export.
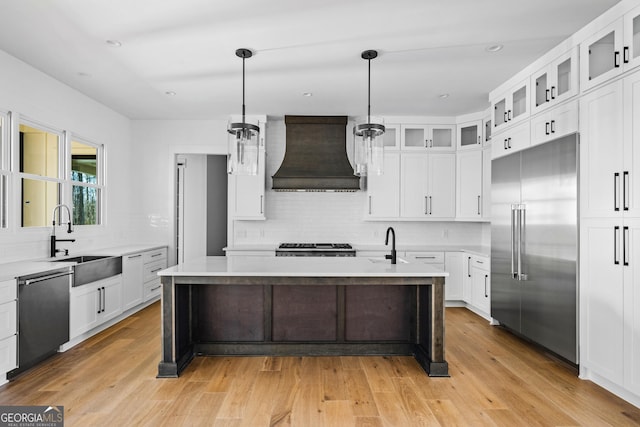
315	158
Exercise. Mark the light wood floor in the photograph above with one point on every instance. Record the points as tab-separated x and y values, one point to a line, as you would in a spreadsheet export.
496	380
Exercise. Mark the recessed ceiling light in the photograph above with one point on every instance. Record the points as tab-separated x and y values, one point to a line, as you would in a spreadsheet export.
443	96
114	43
83	74
307	94
170	93
494	48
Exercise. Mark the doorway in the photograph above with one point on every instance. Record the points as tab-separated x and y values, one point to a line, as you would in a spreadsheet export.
201	205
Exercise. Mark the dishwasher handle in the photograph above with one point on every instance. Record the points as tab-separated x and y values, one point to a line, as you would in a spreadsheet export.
28	282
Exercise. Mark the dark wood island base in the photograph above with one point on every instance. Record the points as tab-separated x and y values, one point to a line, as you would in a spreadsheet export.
302	316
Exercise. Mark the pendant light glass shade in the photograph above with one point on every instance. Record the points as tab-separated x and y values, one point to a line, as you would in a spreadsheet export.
368	137
244	137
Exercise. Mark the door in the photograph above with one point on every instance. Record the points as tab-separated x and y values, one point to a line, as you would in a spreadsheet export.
549	222
505	192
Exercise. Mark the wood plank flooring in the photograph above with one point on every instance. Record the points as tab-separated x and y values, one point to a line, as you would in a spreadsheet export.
496	380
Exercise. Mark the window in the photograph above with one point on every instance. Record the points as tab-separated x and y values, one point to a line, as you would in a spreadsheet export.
86	182
39	171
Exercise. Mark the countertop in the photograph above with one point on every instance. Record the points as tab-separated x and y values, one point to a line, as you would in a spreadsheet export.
474	249
12	270
247	266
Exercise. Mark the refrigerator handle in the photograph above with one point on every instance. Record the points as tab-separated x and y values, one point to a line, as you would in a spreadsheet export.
522	236
616	237
513	241
616	185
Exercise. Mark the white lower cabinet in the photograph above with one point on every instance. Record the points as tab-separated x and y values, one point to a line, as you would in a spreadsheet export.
154	261
453	264
480	284
8	327
94	303
610	301
132	280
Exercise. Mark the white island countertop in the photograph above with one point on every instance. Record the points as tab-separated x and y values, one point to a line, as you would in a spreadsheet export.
251	266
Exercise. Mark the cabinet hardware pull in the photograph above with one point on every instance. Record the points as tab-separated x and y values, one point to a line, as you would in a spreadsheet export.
104	298
424	257
480	262
479	139
546	98
155	289
505	117
509	115
616	59
553	95
546	128
625	190
426	205
509	144
469	266
505	144
156	270
486	276
616	184
155	255
369	205
430	206
616	233
625	245
553	126
478	205
134	256
99	301
625	54
261	204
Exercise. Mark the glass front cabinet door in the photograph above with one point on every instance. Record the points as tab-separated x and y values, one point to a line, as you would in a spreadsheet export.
555	82
512	107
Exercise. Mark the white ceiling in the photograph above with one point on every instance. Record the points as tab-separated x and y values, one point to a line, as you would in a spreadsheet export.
426	48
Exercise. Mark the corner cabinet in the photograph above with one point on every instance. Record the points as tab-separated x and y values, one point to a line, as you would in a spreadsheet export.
611	51
469	183
247	192
470	135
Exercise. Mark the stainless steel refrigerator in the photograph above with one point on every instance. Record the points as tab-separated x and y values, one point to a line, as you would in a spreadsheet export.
534	244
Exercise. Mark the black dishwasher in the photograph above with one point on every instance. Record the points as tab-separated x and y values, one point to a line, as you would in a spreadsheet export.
43	316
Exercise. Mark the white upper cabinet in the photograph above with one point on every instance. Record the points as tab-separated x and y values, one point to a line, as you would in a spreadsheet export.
511	107
247	192
427	186
511	140
470	135
469	185
428	137
611	51
383	199
391	137
555	82
554	123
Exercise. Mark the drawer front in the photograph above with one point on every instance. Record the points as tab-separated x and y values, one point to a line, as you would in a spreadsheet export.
151	269
8	319
155	255
152	289
8	291
480	262
426	257
8	354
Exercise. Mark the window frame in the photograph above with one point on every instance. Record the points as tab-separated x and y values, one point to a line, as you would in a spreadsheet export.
99	186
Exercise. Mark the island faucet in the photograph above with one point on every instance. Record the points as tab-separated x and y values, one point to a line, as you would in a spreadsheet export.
53	250
391	256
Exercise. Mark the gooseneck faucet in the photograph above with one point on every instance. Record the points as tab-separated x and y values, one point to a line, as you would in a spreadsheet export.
391	256
53	250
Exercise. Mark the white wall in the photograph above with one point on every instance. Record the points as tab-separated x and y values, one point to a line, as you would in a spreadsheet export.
33	94
155	146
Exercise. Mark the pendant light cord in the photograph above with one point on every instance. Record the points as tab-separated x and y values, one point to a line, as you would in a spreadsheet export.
243	107
369	93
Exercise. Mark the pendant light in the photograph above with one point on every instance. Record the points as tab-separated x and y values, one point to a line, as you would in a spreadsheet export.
368	140
243	142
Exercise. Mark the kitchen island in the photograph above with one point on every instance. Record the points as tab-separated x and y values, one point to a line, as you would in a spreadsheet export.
301	306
